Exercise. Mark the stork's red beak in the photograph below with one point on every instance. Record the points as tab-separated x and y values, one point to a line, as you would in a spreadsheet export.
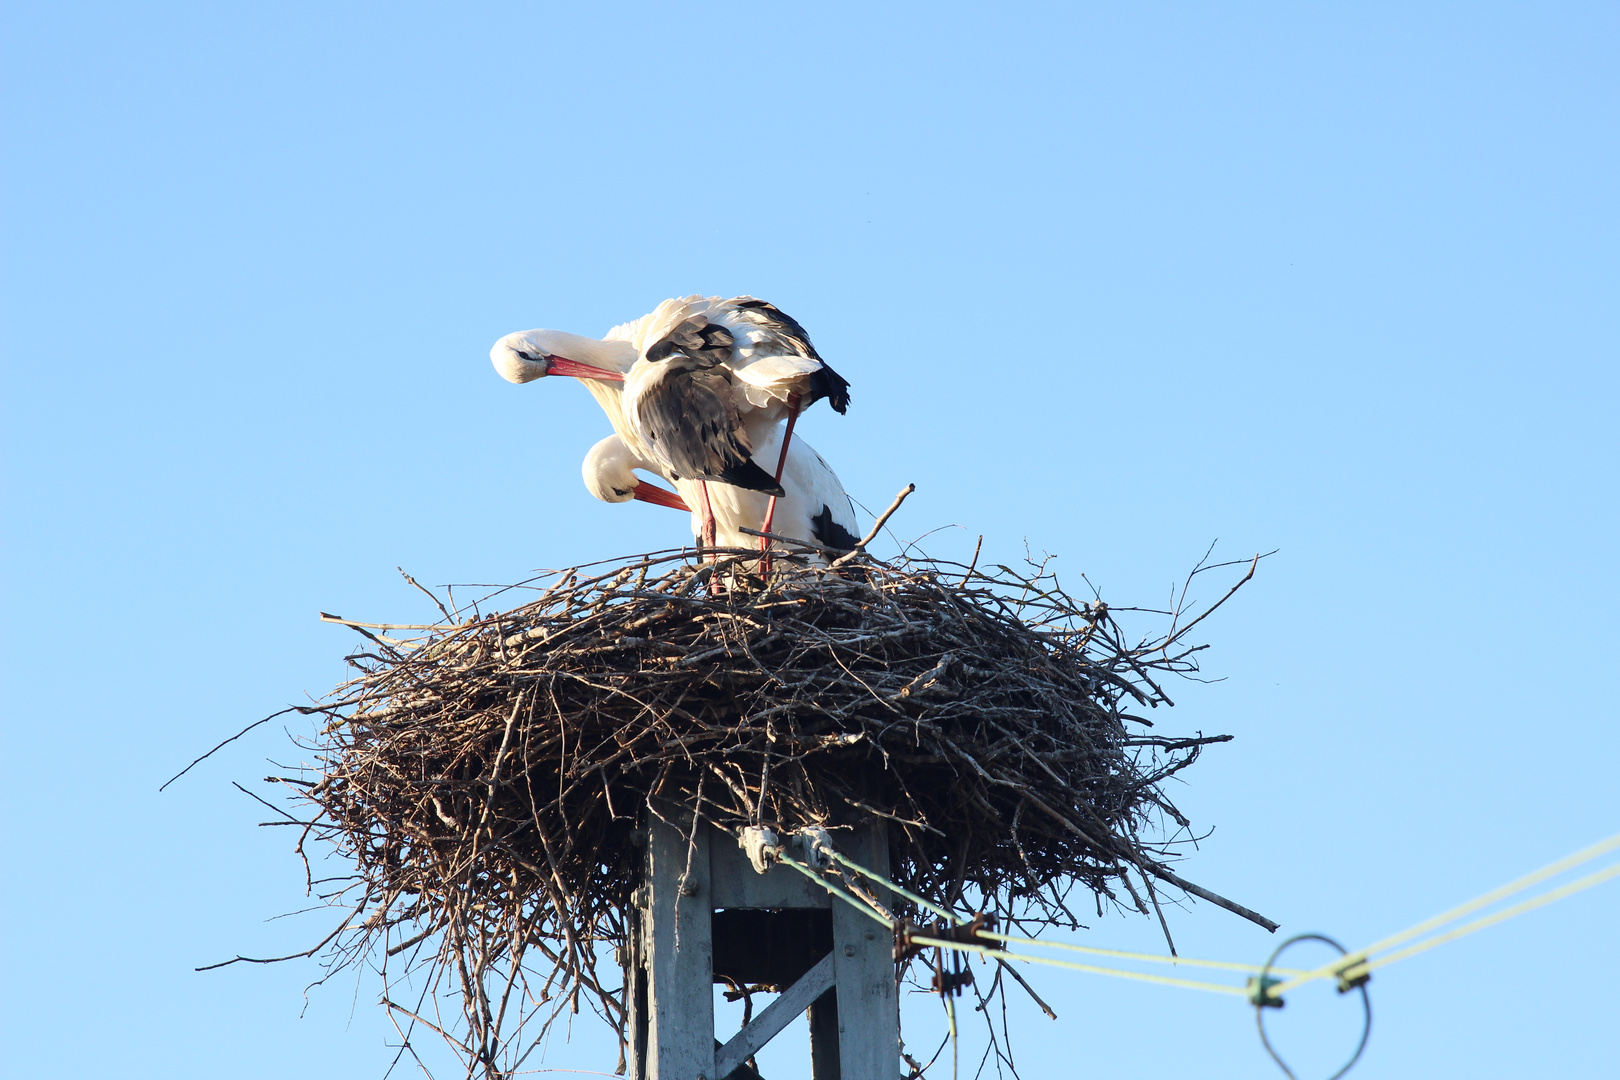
561	365
659	497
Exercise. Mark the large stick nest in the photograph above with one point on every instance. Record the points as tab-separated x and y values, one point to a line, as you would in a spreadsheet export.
487	777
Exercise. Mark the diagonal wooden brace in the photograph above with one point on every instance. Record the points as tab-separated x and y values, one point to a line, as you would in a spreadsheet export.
774	1017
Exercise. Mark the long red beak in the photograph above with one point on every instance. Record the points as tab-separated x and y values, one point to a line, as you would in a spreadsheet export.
561	365
659	497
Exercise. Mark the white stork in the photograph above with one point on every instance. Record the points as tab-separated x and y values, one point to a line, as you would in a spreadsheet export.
708	382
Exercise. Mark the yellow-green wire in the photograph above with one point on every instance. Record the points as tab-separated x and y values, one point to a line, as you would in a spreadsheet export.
1138	976
1152	958
892	887
1344	963
1003	955
1578	885
1351	965
859	905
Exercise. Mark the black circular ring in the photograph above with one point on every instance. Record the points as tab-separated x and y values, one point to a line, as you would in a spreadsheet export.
1260	1010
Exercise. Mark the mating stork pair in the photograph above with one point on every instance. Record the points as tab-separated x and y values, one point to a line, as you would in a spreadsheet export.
705	392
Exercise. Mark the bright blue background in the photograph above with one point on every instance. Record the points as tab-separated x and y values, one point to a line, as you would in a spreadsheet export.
1114	281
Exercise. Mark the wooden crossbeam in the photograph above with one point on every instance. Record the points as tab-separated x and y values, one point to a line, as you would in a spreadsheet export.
774	1017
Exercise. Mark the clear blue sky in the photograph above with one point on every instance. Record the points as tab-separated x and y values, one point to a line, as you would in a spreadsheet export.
1112	280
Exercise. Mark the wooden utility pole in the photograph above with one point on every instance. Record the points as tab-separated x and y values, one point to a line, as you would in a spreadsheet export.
703	912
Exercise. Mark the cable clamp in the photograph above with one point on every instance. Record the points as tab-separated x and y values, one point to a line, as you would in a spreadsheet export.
968	933
1260	994
1349	982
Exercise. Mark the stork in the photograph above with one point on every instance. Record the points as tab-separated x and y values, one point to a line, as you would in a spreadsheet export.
712	381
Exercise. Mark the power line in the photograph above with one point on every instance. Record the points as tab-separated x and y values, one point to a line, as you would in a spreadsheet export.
1578	885
1152	958
1569	862
1118	973
1351	969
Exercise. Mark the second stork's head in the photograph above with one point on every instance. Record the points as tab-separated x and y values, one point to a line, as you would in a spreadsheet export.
609	473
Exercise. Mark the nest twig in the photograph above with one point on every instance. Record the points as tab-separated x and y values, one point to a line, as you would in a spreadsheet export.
486	777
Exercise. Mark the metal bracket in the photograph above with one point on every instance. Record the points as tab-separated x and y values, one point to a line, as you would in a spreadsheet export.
968	933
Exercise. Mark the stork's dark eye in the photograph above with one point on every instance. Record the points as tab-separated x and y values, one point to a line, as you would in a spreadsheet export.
532	358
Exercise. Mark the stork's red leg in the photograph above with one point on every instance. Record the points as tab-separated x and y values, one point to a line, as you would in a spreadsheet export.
706	533
781	464
708	527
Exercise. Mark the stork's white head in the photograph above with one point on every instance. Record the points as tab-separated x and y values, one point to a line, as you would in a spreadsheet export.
533	354
609	474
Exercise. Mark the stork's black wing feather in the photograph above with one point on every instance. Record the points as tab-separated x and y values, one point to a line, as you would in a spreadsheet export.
690	416
830	532
705	343
749	475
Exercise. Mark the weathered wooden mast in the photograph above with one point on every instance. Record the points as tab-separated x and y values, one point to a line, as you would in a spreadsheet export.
703	912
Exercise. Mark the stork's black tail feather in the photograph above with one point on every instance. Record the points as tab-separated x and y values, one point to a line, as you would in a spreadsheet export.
827	383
